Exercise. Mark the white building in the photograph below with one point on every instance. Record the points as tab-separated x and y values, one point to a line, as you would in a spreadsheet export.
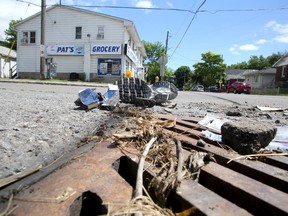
93	46
260	78
7	62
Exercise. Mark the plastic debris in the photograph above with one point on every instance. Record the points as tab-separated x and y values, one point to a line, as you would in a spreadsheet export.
212	136
213	122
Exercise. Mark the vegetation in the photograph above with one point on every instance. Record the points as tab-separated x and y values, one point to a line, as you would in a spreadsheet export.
258	63
154	51
182	76
11	36
211	70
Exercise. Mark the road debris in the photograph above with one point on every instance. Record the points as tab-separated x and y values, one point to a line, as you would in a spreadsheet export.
89	98
247	136
262	108
136	91
129	90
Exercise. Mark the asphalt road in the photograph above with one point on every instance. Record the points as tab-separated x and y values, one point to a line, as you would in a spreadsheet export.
237	99
183	96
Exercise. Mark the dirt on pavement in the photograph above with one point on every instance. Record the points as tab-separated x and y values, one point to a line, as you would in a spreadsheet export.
38	127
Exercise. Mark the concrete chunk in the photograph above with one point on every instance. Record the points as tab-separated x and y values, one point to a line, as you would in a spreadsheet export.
246	136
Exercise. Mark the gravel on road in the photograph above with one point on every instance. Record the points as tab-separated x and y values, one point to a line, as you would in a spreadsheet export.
40	123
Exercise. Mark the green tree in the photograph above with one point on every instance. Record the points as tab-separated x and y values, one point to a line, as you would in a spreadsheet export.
257	63
11	35
154	51
211	70
182	75
272	59
241	65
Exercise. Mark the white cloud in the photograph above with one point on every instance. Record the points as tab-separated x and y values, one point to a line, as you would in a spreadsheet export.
281	38
14	10
277	27
248	47
144	4
281	31
261	41
236	49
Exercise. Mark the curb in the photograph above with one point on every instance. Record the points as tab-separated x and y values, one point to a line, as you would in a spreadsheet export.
51	82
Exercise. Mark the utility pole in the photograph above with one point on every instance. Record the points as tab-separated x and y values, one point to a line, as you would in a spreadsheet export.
166	47
163	59
42	42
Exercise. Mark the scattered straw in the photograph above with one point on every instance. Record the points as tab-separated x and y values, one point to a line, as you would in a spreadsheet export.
148	208
257	155
8	211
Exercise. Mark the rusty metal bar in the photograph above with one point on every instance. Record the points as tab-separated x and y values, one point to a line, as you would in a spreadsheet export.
190	194
191	122
257	198
90	172
265	173
206	201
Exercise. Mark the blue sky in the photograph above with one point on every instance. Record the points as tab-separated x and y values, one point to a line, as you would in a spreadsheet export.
236	29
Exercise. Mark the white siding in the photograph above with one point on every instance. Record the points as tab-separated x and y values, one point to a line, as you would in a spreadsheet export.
61	23
69	64
28	59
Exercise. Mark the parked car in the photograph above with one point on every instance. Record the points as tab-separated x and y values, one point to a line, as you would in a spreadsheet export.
239	87
198	88
212	88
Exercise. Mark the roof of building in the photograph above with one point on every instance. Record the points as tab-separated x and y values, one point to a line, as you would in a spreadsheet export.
234	73
4	51
264	71
282	61
128	23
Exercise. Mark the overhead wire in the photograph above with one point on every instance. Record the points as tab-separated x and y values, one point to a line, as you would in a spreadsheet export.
194	16
164	9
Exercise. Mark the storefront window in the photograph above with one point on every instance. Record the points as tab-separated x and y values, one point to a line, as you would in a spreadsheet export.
109	67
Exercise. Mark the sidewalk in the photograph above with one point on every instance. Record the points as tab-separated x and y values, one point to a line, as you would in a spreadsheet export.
55	82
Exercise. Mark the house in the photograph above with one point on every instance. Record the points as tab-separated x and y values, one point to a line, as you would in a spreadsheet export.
260	78
281	77
79	43
233	75
7	62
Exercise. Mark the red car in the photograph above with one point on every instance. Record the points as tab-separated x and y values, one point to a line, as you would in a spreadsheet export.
239	87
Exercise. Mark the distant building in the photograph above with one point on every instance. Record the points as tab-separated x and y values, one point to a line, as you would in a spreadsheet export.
79	43
260	78
7	61
233	75
281	78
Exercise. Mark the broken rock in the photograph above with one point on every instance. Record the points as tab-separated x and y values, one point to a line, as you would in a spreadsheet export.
246	136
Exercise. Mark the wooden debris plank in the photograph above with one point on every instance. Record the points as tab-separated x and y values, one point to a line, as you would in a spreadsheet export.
246	192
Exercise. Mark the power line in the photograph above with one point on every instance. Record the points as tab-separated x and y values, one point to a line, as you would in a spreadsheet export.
164	9
29	3
188	27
